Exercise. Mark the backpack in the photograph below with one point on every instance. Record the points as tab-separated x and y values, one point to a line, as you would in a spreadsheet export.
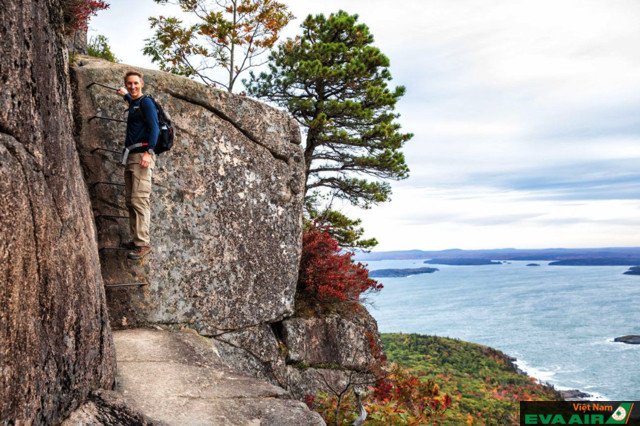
165	137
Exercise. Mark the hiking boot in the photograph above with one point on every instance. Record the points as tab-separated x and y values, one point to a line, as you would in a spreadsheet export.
139	252
129	246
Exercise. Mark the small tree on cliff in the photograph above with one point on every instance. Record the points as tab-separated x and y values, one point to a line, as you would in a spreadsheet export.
334	83
231	34
78	12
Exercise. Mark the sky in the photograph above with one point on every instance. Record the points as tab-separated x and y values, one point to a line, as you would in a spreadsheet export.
525	115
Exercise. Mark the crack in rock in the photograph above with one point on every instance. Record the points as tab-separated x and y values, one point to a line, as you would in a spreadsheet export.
226	118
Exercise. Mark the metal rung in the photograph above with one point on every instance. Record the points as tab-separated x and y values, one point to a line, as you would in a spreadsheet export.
105	118
111	216
105	149
101	85
113	248
125	285
107	183
97	212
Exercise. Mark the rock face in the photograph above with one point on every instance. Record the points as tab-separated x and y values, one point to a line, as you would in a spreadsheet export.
330	350
331	340
55	340
226	205
107	408
304	354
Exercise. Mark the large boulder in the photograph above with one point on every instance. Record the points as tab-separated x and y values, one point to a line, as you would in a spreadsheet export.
55	340
226	205
308	354
351	343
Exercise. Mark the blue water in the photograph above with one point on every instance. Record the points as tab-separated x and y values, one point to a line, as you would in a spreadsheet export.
558	321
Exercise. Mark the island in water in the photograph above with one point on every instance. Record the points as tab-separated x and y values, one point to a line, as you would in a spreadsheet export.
634	270
594	262
461	261
398	273
631	339
533	264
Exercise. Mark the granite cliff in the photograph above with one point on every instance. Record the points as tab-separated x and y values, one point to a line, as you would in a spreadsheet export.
227	206
55	339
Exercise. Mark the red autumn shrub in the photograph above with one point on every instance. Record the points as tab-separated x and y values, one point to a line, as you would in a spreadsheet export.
399	398
327	274
403	398
78	12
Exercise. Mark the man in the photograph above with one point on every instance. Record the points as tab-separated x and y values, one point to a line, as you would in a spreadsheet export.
139	161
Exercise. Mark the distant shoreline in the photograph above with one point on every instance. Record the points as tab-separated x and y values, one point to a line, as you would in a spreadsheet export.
621	256
455	261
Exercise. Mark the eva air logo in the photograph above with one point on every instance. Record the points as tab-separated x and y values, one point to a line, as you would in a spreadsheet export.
621	415
577	413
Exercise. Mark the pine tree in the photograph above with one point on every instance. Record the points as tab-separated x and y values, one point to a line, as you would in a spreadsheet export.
334	82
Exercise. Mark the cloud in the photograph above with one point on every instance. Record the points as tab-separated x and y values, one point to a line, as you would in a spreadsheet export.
483	217
610	179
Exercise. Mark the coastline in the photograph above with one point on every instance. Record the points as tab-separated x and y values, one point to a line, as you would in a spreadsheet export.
569	394
549	318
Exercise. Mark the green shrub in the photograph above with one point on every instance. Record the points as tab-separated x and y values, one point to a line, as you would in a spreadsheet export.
99	47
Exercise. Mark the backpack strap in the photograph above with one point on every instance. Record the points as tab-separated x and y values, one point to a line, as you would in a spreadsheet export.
142	113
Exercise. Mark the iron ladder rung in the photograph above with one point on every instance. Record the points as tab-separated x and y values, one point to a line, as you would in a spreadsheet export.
101	85
113	248
111	216
125	285
106	183
105	118
105	149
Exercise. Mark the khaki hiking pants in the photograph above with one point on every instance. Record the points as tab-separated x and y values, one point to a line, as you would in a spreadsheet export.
137	182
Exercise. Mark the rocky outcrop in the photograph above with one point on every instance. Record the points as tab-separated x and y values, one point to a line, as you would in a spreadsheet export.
107	408
332	340
55	340
575	395
179	378
226	205
307	355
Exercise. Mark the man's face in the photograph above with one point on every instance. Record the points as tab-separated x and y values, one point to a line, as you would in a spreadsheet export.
134	86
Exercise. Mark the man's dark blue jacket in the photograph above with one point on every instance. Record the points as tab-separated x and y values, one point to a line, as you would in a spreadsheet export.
139	131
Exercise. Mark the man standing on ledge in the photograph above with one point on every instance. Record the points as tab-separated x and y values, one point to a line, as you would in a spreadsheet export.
139	161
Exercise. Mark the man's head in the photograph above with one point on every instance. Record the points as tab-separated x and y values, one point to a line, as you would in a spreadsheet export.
134	83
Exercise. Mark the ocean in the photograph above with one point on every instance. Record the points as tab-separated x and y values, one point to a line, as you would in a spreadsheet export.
558	321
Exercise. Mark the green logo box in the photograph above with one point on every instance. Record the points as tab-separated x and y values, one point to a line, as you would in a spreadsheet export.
580	412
